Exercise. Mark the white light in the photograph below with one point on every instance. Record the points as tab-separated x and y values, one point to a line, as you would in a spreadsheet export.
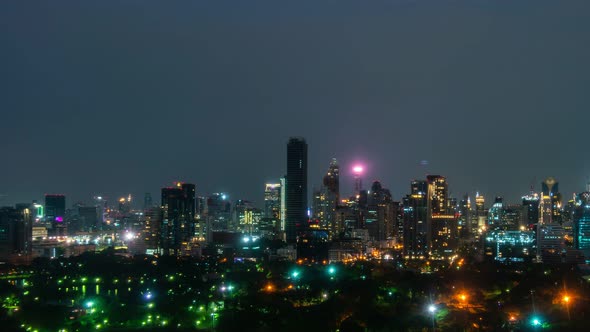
431	308
129	236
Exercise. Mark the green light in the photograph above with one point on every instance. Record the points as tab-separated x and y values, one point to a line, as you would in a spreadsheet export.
89	304
331	270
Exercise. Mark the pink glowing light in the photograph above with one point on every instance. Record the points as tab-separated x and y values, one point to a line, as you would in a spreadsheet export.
357	169
59	219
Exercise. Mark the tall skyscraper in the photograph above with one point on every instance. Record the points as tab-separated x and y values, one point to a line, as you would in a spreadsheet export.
357	172
415	217
550	201
442	222
177	222
332	180
380	214
296	187
480	212
325	201
531	204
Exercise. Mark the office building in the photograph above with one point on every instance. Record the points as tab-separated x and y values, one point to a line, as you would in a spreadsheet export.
177	217
296	193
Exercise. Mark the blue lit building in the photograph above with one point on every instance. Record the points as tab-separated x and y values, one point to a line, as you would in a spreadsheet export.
582	224
510	246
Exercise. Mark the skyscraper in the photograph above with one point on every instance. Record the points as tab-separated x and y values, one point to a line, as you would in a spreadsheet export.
380	214
325	200
296	187
415	216
531	203
272	201
441	219
550	201
177	222
16	233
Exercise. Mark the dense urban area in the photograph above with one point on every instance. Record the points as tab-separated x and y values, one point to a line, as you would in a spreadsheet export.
363	262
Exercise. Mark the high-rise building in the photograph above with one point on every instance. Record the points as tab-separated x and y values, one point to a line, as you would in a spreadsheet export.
177	221
415	217
464	222
283	213
582	224
332	180
531	203
325	201
480	212
380	218
550	201
16	233
296	187
272	201
217	212
495	214
441	219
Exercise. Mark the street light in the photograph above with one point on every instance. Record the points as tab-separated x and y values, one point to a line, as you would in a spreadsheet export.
566	301
432	311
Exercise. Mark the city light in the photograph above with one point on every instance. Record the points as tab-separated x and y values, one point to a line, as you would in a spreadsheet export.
357	169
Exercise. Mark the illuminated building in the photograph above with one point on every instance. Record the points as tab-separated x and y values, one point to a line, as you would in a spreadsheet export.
296	193
125	205
550	202
283	213
531	203
582	224
441	219
510	246
332	180
415	207
325	201
480	212
246	218
357	172
272	201
152	228
495	214
215	211
550	243
464	221
177	219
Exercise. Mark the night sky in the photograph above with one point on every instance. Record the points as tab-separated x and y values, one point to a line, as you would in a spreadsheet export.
117	97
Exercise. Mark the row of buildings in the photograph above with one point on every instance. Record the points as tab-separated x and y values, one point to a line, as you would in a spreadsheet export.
425	223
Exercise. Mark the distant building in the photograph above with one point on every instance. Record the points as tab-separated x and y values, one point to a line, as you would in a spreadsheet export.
88	217
272	201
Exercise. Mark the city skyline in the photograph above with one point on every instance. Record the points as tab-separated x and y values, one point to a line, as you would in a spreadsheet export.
117	108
